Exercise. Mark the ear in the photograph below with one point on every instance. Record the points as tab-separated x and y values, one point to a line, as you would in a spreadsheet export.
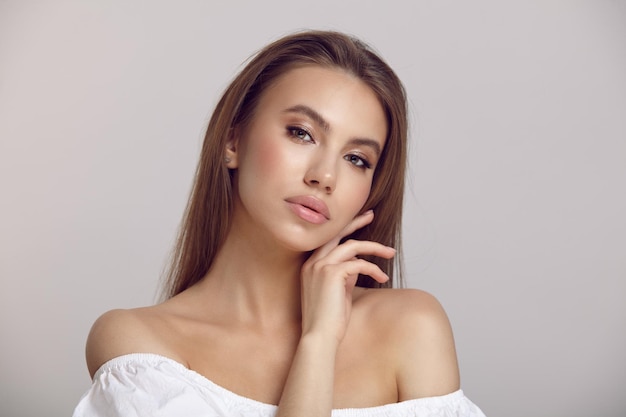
232	146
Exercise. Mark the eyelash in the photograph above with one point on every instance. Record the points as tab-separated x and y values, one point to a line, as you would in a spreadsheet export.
296	133
362	163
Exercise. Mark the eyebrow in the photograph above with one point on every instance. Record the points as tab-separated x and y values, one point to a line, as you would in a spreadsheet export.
312	114
371	143
319	120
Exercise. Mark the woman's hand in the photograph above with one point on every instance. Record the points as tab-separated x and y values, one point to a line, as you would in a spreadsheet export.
329	276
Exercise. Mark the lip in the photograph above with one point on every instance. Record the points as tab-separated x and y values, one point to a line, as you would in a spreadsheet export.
309	208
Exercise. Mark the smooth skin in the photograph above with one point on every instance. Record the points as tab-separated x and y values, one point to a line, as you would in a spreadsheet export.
273	321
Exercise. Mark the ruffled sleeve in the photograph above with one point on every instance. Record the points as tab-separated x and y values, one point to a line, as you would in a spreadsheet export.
455	404
128	387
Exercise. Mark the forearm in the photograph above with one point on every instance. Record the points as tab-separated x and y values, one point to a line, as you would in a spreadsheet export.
308	391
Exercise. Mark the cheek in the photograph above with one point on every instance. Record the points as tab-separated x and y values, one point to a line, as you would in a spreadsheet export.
357	195
263	159
364	193
263	156
267	163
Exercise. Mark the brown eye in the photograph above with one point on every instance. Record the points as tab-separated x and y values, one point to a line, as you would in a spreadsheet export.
299	134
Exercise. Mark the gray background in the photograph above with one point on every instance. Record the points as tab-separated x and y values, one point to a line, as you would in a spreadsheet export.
515	207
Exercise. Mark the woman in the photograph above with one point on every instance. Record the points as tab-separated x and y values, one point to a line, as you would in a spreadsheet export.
293	219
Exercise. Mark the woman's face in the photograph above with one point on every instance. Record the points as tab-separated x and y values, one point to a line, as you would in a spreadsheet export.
305	162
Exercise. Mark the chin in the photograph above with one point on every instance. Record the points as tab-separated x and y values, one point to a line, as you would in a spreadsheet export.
301	247
300	242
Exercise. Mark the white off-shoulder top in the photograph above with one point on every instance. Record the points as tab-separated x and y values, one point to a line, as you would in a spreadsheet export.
143	384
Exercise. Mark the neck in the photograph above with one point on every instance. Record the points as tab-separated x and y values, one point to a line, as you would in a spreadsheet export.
255	282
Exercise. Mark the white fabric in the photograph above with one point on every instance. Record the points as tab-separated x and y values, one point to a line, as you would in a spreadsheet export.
142	384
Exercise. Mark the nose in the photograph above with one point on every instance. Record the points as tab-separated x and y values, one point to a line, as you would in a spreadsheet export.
322	175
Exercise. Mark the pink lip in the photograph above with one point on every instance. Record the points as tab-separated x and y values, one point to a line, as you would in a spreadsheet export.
309	208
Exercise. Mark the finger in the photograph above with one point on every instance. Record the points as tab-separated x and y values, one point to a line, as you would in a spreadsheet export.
354	248
354	225
363	267
357	223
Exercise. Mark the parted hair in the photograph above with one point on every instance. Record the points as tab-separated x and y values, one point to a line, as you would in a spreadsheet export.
207	217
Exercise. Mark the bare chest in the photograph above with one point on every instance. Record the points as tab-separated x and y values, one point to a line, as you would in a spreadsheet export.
256	366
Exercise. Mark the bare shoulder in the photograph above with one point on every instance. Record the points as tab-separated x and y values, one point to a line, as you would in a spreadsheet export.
418	338
120	332
405	307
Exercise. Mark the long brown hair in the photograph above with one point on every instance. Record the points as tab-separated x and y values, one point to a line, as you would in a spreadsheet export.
207	217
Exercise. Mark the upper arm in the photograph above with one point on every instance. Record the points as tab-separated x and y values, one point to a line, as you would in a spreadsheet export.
113	334
425	355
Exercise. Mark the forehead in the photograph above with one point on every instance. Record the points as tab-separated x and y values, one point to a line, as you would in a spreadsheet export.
341	98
